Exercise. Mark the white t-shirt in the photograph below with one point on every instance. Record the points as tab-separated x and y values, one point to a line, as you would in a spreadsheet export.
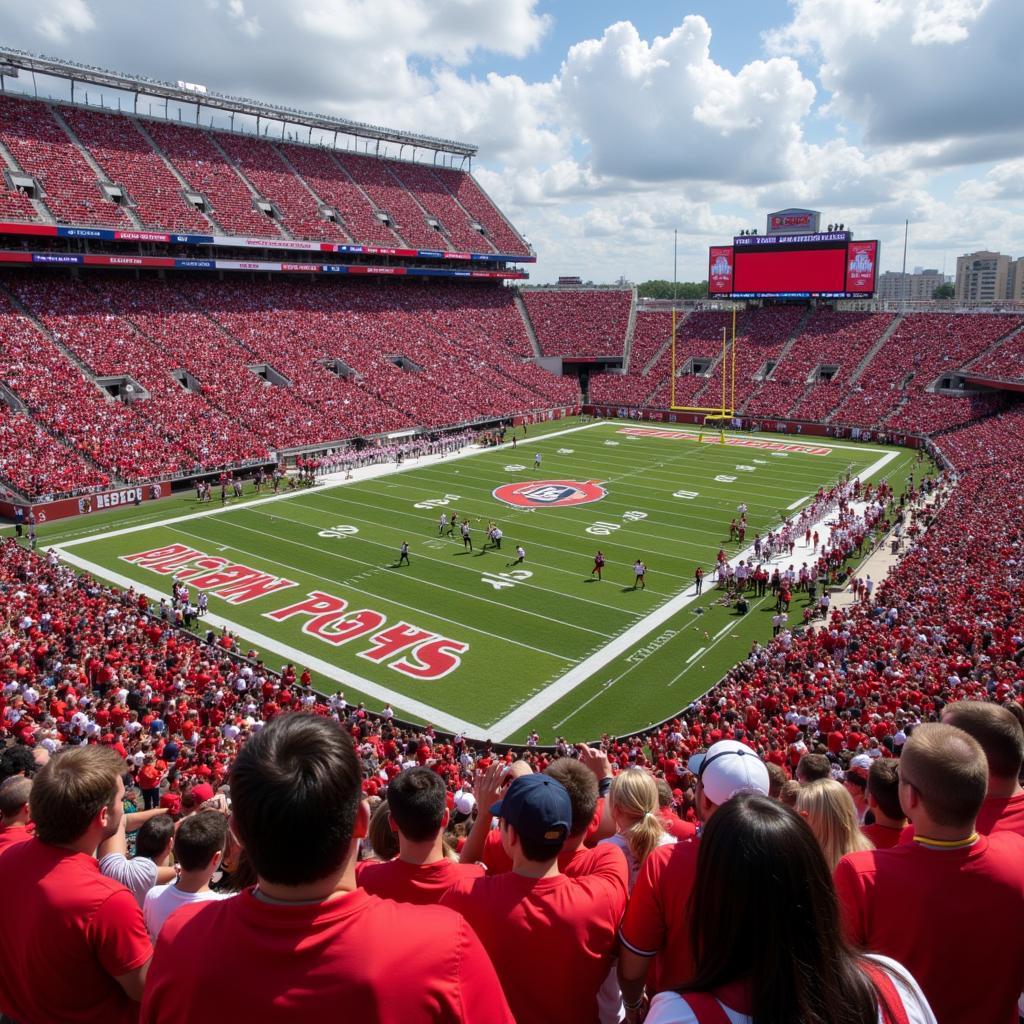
669	1007
164	900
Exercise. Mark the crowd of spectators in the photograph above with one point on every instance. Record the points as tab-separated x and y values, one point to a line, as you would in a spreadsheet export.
579	322
90	671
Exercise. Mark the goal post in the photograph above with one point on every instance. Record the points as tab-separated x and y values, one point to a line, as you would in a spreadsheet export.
722	413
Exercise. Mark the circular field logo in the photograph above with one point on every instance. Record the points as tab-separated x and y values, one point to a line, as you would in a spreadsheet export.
549	493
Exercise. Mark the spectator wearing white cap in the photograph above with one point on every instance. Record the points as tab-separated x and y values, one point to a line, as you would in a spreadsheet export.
654	927
855	780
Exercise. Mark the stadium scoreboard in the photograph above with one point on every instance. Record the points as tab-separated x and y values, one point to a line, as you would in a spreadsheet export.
823	264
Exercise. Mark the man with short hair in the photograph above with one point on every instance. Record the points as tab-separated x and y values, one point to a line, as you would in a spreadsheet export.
884	803
812	767
949	905
15	817
198	849
151	864
1000	734
655	926
421	873
534	917
74	946
855	780
306	943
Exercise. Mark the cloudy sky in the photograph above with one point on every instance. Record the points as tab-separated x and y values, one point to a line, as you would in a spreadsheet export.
604	125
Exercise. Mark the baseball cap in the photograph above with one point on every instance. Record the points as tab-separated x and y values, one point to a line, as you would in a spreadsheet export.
202	792
539	808
860	766
464	802
729	768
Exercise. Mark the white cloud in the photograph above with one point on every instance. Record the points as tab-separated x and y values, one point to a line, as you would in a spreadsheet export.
914	70
56	20
665	111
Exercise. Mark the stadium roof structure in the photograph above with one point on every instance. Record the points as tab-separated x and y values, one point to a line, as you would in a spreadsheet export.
12	61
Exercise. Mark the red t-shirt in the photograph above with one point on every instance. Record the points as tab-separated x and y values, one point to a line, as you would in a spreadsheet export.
70	931
11	834
675	826
1002	814
357	956
952	917
570	862
533	926
655	924
413	883
882	836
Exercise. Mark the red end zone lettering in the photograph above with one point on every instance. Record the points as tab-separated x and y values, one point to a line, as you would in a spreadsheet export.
164	560
431	657
711	437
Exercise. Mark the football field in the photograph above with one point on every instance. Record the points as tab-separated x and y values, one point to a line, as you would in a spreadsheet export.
468	639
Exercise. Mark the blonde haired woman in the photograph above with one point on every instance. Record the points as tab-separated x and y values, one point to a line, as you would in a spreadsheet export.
832	815
633	805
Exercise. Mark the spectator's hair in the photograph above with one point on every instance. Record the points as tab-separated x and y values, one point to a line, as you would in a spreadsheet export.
295	793
71	789
948	769
665	796
997	730
832	815
884	786
154	836
581	786
812	767
535	849
380	835
759	861
14	794
776	780
17	760
199	837
788	793
416	798
634	796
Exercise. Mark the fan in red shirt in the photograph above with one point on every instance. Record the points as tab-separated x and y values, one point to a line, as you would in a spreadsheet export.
948	905
15	819
883	796
421	873
534	917
305	943
1001	737
654	927
80	950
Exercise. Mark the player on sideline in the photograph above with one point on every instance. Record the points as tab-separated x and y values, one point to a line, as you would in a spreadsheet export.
467	540
442	522
698	579
520	555
639	575
536	461
598	564
403	553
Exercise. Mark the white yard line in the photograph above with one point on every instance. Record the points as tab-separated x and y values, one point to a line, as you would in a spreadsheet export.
429	714
578	675
799	502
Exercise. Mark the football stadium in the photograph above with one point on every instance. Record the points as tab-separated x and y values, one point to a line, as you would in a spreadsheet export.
360	587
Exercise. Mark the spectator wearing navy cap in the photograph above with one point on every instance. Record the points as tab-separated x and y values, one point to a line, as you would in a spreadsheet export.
533	918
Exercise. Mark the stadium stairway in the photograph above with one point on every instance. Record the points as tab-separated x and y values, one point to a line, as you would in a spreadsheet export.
627	350
34	209
864	363
177	175
527	322
101	175
790	342
338	223
253	190
994	347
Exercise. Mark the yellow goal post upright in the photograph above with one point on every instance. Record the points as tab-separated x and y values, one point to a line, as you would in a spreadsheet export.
722	414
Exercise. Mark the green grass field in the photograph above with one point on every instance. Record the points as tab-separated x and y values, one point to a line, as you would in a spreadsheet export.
464	639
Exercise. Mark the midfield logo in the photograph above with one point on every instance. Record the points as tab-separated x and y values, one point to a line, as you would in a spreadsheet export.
549	493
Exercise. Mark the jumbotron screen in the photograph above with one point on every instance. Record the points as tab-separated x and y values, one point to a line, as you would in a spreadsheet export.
777	266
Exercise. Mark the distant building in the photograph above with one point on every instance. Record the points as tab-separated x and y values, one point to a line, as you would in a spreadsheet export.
1015	280
894	286
982	277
